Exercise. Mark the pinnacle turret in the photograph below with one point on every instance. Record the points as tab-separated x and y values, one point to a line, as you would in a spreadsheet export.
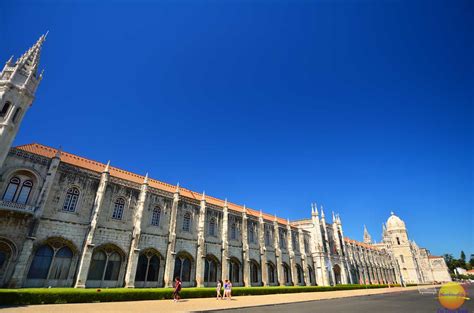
24	71
367	237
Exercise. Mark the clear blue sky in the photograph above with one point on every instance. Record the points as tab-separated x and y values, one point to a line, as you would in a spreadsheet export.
363	107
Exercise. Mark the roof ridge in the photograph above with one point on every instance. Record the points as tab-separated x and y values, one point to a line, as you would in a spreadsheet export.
196	195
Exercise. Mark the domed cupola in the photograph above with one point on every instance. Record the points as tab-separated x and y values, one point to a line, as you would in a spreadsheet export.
394	223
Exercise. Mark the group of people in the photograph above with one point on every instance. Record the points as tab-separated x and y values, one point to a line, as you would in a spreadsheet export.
227	290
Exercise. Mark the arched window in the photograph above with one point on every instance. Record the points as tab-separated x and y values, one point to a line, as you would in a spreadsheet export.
39	268
16	116
311	276
113	267
105	265
7	250
251	233
187	221
234	271
271	273
155	216
306	245
294	242
282	240
5	109
70	202
299	271
11	190
96	270
398	241
51	263
61	264
118	209
210	270
148	267
286	273
267	238
254	272
25	192
212	227
233	231
182	268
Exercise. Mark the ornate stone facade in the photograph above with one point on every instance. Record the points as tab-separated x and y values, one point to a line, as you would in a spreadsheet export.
69	221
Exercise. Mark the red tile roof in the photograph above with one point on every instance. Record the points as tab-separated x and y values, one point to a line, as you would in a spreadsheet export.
362	244
98	167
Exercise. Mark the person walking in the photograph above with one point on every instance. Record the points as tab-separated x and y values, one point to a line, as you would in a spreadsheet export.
218	290
225	289
228	290
177	289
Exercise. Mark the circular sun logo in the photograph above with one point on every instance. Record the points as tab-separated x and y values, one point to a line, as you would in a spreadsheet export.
452	296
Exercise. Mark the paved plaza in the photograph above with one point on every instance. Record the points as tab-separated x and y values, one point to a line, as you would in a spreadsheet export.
411	301
364	300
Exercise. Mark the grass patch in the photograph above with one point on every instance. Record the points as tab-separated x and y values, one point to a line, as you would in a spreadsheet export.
73	295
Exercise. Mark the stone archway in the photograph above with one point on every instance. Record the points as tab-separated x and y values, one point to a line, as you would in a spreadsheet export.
337	274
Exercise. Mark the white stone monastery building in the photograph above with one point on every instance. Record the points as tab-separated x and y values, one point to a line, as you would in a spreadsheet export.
69	221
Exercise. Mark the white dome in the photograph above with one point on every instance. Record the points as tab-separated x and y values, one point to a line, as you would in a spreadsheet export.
394	222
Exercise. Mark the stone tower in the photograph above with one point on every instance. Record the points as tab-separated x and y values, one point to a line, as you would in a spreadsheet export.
402	249
18	83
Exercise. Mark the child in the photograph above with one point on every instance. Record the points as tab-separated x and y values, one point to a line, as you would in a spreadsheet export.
218	289
177	289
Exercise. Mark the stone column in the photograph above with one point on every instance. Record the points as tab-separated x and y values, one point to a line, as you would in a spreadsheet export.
279	262
337	239
170	250
134	252
291	253
86	253
245	250
329	268
201	249
306	278
344	252
263	249
19	273
318	250
225	242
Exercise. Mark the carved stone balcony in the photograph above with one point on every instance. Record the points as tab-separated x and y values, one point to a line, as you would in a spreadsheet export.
17	207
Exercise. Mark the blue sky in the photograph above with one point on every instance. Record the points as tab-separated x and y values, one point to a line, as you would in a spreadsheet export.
361	106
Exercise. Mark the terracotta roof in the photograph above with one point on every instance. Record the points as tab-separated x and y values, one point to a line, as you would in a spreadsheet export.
434	257
362	244
98	167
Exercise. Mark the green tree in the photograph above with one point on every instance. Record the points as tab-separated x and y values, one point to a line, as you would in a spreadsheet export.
449	262
462	260
471	261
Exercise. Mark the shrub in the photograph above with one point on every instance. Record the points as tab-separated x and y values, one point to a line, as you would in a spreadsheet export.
73	295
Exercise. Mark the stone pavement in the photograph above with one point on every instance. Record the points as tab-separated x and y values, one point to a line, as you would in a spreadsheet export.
192	305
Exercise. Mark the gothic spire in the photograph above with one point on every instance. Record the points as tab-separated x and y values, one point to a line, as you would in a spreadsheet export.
29	61
367	237
107	167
